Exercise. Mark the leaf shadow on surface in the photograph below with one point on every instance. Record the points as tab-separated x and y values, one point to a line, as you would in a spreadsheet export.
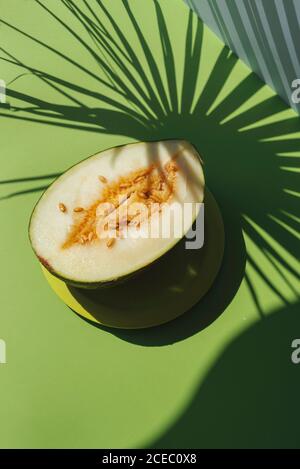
248	398
243	166
27	179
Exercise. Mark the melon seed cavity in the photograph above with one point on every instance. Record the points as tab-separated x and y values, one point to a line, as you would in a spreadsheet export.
147	185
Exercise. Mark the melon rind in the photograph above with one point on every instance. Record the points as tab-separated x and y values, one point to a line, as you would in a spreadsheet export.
44	232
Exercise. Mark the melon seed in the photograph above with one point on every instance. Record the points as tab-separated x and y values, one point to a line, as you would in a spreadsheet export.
139	178
82	239
110	242
62	207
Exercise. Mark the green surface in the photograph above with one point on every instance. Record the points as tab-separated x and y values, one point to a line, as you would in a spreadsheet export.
220	378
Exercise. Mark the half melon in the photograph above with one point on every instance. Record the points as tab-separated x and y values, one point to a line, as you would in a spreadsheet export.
118	211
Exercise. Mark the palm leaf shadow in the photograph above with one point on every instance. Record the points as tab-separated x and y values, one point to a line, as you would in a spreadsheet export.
27	179
238	160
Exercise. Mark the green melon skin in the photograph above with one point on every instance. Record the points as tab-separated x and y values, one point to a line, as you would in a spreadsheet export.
93	285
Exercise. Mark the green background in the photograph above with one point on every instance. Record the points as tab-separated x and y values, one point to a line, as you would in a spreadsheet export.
82	78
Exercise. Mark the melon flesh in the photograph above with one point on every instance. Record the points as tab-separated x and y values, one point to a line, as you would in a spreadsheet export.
67	224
